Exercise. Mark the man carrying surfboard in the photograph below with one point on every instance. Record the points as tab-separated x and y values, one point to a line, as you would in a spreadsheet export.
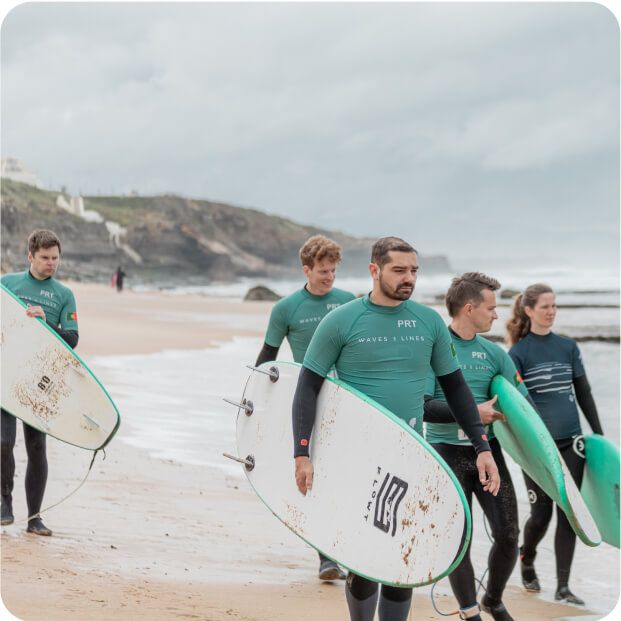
53	302
296	317
471	304
382	345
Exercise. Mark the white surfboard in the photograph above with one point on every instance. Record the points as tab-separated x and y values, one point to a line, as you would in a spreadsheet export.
45	384
383	504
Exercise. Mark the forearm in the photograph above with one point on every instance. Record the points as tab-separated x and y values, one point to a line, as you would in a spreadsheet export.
464	409
437	411
304	410
70	337
267	354
585	400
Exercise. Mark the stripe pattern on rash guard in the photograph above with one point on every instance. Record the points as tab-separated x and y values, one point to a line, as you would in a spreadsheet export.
549	377
549	364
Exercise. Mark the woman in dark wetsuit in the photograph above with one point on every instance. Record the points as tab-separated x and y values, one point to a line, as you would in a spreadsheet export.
551	367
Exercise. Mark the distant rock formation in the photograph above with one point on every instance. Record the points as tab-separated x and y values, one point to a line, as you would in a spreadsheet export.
262	294
169	240
508	294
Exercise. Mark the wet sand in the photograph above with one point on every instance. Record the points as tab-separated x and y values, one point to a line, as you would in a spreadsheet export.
148	538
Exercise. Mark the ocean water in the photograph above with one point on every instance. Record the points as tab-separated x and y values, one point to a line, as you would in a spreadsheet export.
573	285
171	405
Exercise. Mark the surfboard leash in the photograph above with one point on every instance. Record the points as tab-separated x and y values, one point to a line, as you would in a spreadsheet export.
480	581
36	515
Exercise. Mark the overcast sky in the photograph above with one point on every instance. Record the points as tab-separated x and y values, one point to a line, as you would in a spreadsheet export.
476	130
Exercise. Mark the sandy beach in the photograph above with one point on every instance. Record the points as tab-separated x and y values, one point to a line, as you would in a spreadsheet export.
160	539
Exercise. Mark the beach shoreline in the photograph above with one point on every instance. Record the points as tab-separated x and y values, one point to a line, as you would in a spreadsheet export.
156	538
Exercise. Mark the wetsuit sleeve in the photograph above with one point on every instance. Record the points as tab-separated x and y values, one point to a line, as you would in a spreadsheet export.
70	337
464	408
304	410
436	411
68	328
277	327
586	403
267	354
69	314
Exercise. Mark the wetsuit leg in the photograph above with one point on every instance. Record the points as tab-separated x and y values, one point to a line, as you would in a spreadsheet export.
538	521
502	514
565	537
461	459
361	595
394	603
36	472
9	432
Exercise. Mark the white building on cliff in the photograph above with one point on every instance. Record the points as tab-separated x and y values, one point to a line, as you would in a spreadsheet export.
15	169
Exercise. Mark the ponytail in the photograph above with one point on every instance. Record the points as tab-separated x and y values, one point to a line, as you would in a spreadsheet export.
518	325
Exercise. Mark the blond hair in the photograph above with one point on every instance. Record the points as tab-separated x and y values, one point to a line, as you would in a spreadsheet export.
318	248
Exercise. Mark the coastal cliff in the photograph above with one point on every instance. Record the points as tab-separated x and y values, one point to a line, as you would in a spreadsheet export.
168	239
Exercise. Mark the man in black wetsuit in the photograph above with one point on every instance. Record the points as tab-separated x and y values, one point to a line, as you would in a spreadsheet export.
471	304
51	301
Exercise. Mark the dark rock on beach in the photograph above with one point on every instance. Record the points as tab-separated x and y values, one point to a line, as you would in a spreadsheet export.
262	294
508	294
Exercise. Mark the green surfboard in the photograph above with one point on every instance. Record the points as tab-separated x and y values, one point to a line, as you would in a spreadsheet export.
600	486
529	443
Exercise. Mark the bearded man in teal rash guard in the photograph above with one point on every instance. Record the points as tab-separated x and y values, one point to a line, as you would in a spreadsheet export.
296	318
413	338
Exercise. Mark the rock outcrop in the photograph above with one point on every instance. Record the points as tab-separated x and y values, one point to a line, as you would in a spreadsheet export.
168	239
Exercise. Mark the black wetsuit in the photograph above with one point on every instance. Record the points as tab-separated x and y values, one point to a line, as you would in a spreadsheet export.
501	513
59	306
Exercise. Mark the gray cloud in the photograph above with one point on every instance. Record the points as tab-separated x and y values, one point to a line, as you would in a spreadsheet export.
460	126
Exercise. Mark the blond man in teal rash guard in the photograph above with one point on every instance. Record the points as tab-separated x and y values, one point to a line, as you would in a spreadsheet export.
297	316
344	340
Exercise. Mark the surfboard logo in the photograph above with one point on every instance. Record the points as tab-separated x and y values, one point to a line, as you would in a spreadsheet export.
387	503
532	496
45	383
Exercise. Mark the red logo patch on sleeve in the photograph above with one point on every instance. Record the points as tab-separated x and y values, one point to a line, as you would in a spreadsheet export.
304	442
517	379
484	436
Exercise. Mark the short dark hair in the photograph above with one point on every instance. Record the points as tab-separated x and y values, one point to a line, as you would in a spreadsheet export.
381	248
468	289
42	238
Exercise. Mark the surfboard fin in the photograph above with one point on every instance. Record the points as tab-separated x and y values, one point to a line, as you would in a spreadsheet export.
247	406
92	421
273	372
248	461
